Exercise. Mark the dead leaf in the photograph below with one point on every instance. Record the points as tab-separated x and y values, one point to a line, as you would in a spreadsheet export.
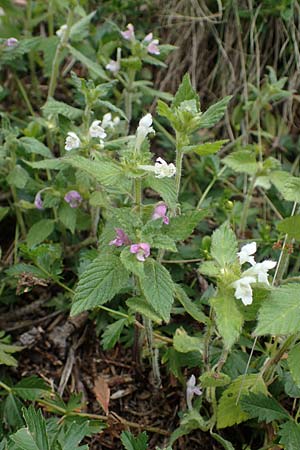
102	392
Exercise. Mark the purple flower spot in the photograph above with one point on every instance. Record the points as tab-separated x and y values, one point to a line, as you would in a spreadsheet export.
38	202
141	250
121	238
73	198
11	42
160	213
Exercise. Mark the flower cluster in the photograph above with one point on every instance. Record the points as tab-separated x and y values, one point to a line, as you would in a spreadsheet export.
151	44
72	141
141	250
73	198
257	273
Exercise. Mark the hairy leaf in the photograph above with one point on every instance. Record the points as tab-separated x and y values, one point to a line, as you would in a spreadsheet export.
184	343
214	113
290	226
99	283
294	363
181	227
228	318
208	148
190	307
290	435
266	409
224	245
185	92
39	232
242	161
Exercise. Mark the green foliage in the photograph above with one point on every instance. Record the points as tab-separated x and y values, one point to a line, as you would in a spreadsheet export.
229	319
209	148
229	410
280	313
290	435
54	107
290	226
181	227
185	92
6	350
214	113
242	161
265	409
140	305
293	363
191	308
39	232
184	343
99	283
112	334
158	288
224	246
134	443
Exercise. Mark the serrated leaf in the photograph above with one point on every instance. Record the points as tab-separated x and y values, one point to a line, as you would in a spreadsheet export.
294	363
74	435
36	426
291	191
185	92
184	343
134	443
190	307
158	288
54	164
55	107
290	435
280	314
140	305
209	268
229	319
165	187
39	232
112	334
214	113
242	161
112	108
23	439
18	177
181	227
80	29
279	178
290	226
12	411
99	283
265	409
94	68
31	388
131	263
164	242
209	148
224	245
32	145
68	216
5	356
107	173
229	411
164	110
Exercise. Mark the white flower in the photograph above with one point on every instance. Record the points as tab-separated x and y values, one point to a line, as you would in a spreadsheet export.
243	290
72	141
113	66
108	122
61	31
191	390
163	169
246	252
96	131
260	270
143	130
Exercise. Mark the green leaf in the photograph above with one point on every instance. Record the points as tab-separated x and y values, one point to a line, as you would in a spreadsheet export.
209	268
190	307
112	334
290	435
265	409
32	145
39	232
208	148
12	411
74	436
18	177
242	161
140	305
107	173
185	92
134	443
291	191
165	187
163	241
112	108
214	113
55	107
94	68
24	440
280	314
229	411
214	379
80	29
36	426
279	179
52	164
68	216
5	354
293	363
31	388
99	283
3	211
290	226
158	288
181	227
184	343
226	444
224	245
131	263
229	319
165	111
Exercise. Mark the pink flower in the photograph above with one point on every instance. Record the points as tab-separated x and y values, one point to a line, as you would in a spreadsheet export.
191	390
73	198
121	239
152	48
148	38
11	42
141	250
129	33
160	213
38	202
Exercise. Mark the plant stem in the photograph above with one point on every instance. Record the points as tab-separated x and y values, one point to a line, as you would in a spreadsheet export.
59	49
153	353
128	96
4	386
205	193
25	96
246	207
